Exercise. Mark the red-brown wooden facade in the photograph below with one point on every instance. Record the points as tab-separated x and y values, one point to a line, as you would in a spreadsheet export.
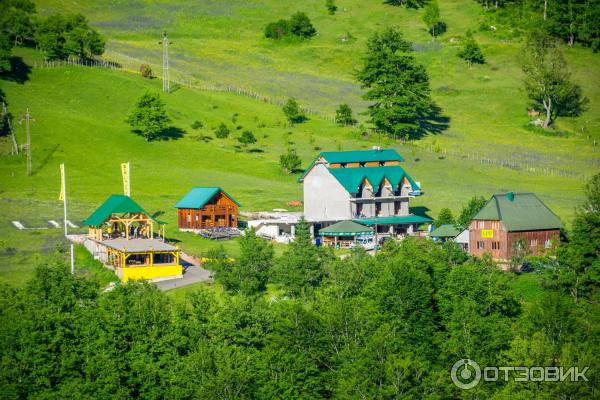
493	238
220	211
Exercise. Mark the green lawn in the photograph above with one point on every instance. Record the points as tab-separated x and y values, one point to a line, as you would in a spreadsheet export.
80	117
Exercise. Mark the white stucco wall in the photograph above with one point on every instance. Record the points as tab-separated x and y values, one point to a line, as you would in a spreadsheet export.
325	198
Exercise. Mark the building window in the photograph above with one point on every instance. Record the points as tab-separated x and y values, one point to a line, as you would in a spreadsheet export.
533	243
196	217
480	245
480	224
343	165
382	163
548	243
362	164
496	225
189	218
495	245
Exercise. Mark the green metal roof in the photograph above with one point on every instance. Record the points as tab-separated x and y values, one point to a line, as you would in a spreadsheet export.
361	156
346	228
199	196
519	212
115	204
351	178
355	156
394	220
445	231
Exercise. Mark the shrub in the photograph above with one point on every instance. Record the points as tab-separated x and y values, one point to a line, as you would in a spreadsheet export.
343	115
277	30
222	131
247	138
298	26
331	7
292	111
197	125
289	161
146	71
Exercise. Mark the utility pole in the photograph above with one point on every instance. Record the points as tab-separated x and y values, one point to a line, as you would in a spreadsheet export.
27	118
165	44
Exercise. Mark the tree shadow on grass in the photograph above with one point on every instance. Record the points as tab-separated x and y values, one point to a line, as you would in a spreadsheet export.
170	133
46	159
433	124
420	211
19	71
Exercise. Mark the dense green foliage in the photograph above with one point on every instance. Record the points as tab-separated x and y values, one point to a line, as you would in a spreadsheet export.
290	161
445	217
149	116
469	210
298	27
247	138
569	20
301	268
331	7
343	115
222	131
548	79
431	17
397	85
292	111
471	52
250	272
61	36
381	327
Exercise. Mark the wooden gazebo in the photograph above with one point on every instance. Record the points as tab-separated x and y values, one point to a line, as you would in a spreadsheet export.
121	234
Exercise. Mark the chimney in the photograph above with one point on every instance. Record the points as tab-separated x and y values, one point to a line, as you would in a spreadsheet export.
510	196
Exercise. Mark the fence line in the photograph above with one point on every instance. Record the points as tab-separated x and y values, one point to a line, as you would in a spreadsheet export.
508	163
132	65
180	80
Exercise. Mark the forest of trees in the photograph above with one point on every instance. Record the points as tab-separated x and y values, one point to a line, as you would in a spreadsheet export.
382	327
59	36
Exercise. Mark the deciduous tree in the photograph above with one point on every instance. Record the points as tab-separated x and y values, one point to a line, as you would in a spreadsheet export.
149	116
548	79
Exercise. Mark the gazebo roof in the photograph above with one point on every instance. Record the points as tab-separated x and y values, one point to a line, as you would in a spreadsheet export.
115	204
346	228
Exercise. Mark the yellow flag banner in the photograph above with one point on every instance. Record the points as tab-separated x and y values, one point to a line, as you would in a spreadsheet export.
61	196
125	173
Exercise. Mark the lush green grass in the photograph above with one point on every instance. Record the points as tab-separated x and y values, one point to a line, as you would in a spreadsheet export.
80	120
80	116
221	43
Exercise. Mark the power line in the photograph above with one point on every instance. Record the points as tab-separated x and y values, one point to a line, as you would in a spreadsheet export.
166	81
27	118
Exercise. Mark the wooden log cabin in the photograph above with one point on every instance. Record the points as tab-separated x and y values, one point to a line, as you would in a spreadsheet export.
207	207
121	234
513	223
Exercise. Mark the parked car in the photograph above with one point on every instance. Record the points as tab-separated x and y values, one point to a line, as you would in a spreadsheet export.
366	242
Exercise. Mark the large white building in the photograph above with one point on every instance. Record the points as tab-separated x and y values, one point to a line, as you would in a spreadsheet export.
367	186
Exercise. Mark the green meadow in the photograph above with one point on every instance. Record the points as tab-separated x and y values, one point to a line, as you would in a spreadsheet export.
80	115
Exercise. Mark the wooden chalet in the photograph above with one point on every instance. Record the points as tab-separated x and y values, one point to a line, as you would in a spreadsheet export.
511	223
121	234
205	208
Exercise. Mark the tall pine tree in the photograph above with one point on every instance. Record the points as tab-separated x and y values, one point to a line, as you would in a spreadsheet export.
397	85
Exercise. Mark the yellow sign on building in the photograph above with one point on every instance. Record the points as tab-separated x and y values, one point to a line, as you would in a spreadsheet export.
487	234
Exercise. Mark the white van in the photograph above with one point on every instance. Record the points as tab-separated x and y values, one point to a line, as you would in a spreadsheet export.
366	242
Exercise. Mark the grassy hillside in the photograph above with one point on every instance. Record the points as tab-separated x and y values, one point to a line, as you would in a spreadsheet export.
222	43
80	120
80	116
